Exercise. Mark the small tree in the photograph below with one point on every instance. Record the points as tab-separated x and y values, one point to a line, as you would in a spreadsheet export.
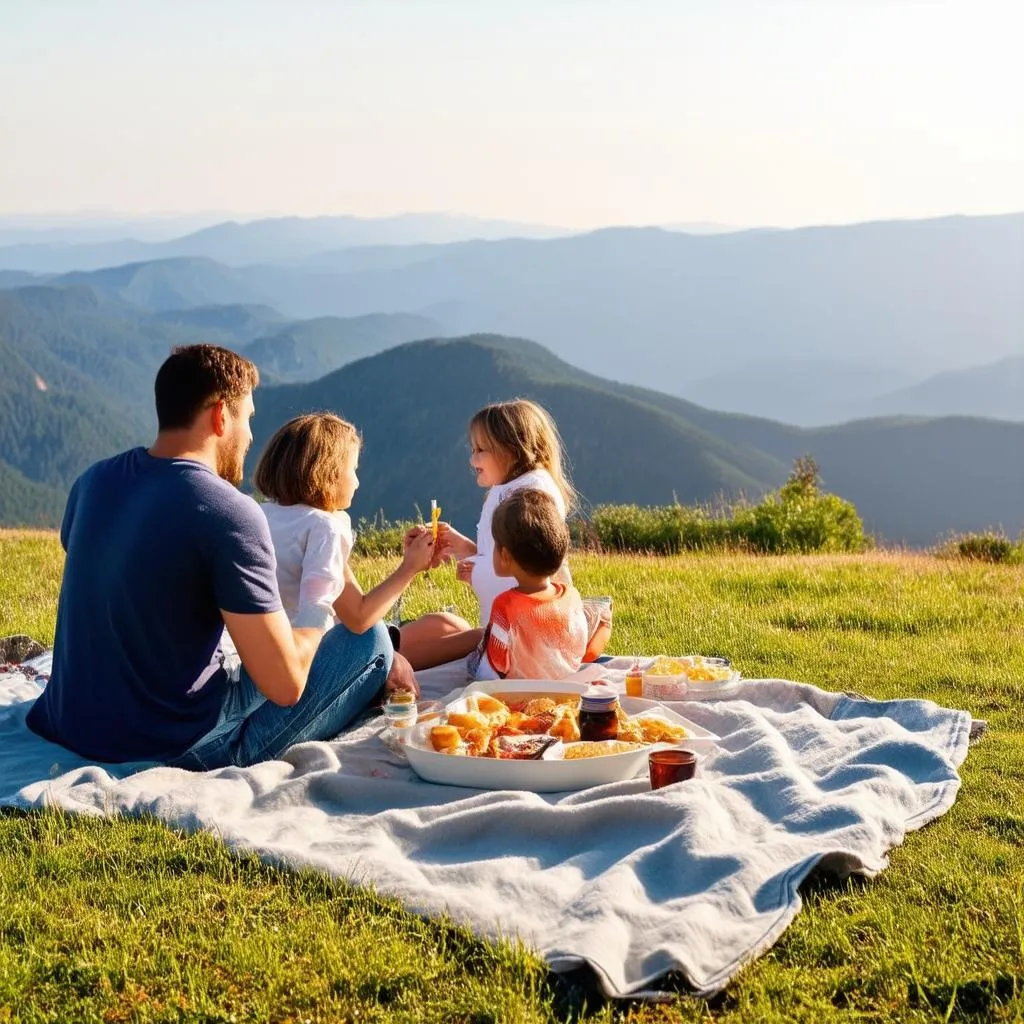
803	481
801	518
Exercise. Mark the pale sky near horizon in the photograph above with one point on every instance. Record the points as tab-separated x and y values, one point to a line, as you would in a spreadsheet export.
566	112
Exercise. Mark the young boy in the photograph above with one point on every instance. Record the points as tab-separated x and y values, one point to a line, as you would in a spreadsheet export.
537	630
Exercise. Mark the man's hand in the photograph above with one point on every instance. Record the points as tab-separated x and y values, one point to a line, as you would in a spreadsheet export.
401	677
464	570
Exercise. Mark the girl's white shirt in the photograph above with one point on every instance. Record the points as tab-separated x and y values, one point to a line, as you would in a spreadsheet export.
312	548
486	584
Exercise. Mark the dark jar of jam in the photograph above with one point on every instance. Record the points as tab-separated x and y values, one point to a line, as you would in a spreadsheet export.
598	717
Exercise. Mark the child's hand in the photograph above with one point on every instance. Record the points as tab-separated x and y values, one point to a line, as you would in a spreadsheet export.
419	549
442	547
452	544
464	570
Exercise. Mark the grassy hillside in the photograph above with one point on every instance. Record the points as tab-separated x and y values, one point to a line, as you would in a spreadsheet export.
100	919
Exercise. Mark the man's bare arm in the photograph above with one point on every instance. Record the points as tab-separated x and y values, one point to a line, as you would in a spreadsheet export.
276	656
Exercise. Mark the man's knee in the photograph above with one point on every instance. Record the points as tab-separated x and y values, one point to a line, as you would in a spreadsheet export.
362	648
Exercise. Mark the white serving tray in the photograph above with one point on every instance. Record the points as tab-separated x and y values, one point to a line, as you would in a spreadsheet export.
550	774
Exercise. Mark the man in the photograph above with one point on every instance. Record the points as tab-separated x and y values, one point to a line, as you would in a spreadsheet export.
163	552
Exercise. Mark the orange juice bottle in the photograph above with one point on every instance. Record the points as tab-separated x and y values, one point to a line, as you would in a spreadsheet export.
635	680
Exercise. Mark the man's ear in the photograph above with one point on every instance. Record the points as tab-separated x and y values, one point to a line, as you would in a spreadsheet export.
219	418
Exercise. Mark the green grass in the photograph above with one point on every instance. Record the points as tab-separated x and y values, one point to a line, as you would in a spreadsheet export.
126	920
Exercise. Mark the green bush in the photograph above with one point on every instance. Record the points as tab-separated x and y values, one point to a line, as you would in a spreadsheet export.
984	547
798	519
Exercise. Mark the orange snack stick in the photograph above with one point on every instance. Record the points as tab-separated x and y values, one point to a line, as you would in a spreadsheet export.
435	517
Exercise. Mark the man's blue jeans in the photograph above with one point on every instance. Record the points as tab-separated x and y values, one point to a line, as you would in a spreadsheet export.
347	671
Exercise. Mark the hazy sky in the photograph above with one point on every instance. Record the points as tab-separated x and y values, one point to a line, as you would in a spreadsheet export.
572	113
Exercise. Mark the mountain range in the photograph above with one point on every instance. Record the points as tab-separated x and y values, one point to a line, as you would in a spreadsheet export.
269	239
680	365
76	376
995	390
811	326
661	309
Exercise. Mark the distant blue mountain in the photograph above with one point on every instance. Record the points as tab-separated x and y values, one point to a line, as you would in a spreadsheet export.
807	326
266	240
995	391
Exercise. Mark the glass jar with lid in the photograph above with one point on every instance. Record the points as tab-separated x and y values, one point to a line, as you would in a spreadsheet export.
599	719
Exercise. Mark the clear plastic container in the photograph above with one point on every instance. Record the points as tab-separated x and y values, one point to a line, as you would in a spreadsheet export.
726	683
665	687
687	678
665	679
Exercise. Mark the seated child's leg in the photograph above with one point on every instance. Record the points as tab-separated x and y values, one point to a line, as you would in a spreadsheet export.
598	611
437	639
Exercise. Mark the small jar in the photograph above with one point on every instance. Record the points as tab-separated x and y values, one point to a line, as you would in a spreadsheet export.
635	680
400	709
598	717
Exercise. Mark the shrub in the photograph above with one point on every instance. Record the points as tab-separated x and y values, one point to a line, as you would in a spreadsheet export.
983	547
799	518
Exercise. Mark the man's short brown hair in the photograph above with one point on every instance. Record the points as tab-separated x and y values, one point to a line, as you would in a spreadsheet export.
528	525
194	377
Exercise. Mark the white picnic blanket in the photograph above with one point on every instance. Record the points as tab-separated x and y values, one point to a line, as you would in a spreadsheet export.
697	878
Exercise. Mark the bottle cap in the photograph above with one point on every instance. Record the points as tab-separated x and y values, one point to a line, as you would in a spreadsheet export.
598	697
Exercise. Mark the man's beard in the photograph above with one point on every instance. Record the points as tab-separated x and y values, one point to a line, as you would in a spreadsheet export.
231	463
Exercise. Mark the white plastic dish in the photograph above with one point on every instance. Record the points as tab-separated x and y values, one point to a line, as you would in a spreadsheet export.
550	774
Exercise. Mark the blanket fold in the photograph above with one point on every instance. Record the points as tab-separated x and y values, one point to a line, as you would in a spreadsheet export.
696	879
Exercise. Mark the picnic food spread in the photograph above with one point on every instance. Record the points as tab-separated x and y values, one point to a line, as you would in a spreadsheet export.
521	726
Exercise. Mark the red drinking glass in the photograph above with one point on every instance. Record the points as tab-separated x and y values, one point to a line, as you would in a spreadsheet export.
668	766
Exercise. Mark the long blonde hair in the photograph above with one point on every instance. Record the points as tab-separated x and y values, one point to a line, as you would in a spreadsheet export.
303	462
527	434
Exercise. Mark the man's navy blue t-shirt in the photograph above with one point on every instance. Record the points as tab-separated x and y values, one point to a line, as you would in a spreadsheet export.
155	549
